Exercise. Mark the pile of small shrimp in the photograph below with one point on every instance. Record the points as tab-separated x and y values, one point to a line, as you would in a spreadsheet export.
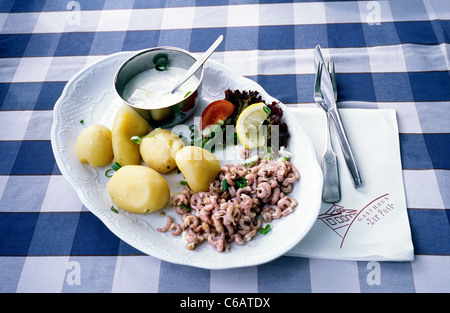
230	210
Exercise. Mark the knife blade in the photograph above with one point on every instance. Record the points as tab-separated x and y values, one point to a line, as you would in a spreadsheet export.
327	90
326	84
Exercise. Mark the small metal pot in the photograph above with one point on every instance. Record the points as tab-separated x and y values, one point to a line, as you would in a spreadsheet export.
144	60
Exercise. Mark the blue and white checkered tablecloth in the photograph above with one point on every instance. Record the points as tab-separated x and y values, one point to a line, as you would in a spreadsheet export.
389	54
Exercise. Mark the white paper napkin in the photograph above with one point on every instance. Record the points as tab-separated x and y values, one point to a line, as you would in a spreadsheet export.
369	223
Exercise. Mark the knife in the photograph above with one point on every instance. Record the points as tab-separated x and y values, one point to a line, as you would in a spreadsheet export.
327	90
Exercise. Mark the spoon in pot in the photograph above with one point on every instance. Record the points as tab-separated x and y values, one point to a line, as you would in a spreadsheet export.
198	63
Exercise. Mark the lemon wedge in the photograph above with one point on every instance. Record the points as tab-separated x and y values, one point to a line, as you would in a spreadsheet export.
248	126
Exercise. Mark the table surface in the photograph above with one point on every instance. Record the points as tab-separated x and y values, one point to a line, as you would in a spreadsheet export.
389	54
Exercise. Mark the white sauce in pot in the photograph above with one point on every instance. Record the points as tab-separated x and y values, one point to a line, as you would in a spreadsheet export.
151	88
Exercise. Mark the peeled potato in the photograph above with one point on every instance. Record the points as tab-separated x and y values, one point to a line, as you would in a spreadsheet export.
127	123
94	146
138	189
158	149
199	167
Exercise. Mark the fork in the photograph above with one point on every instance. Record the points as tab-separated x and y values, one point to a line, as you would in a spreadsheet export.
333	79
331	189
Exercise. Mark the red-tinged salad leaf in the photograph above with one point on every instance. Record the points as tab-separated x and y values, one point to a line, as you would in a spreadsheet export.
276	113
241	100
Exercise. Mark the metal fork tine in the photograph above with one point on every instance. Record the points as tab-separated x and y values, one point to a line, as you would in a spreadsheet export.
333	80
318	77
318	96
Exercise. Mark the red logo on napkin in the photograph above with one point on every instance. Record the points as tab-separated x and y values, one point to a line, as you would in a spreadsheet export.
340	219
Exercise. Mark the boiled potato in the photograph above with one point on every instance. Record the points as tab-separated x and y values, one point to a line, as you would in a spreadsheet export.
94	146
158	149
138	189
199	167
127	123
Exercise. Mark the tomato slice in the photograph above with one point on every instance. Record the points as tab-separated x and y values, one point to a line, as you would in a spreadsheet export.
215	111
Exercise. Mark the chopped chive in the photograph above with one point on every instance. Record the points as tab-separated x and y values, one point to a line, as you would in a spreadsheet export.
265	230
224	185
183	182
161	61
266	109
206	131
115	166
136	139
241	182
161	67
184	206
114	209
81	121
187	94
107	173
161	58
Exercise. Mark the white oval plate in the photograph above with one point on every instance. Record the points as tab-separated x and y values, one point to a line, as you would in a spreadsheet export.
89	96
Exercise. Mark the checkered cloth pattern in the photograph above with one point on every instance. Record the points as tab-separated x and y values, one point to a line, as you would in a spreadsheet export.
388	54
